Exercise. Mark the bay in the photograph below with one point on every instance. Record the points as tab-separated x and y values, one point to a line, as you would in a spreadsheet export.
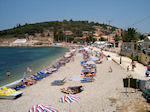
16	60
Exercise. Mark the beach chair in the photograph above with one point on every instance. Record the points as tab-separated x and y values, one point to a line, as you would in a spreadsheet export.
15	87
87	79
72	90
58	82
88	74
40	75
35	77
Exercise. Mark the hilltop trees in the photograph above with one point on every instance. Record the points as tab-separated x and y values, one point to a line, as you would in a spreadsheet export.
58	28
117	38
129	35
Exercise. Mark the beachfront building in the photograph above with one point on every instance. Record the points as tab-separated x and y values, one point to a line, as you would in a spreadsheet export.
19	42
128	48
146	44
145	50
100	44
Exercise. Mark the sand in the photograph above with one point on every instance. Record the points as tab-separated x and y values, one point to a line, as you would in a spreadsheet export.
99	96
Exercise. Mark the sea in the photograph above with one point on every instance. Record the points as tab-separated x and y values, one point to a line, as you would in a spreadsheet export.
17	61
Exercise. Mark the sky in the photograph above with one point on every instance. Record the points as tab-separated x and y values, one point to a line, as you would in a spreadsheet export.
120	13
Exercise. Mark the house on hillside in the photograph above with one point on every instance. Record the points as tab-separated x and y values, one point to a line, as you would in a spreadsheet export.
98	28
97	37
84	37
68	32
105	37
86	33
111	38
117	31
98	33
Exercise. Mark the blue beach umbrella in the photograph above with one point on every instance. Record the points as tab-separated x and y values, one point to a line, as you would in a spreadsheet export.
94	58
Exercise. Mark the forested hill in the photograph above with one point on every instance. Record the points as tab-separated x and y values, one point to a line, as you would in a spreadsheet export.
58	27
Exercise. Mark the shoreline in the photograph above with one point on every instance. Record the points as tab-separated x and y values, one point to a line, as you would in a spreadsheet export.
105	94
52	62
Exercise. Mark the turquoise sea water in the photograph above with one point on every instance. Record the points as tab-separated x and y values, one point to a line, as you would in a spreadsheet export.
17	59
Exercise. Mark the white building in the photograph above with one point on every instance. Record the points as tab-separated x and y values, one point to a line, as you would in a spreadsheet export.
19	42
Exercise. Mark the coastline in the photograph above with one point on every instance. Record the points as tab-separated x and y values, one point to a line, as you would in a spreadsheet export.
37	69
105	94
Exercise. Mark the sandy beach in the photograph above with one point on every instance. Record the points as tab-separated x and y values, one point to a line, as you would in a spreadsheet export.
105	94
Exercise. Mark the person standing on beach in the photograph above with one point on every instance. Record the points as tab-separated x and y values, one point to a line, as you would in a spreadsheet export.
133	65
127	68
28	69
110	69
148	69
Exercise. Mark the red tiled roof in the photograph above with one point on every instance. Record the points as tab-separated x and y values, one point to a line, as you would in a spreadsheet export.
97	37
97	27
99	32
68	31
83	37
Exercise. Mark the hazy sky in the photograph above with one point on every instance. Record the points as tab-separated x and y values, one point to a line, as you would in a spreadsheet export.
120	13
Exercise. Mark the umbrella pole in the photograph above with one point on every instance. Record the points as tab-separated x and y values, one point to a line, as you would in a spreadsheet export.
69	108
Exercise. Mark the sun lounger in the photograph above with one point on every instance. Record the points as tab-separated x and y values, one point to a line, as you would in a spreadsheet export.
72	90
87	79
58	82
88	74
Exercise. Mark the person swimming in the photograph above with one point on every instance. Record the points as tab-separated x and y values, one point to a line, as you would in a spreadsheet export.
8	73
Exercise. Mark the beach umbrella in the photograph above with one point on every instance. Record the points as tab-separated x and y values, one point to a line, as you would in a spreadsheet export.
69	99
86	48
67	55
90	62
42	108
93	58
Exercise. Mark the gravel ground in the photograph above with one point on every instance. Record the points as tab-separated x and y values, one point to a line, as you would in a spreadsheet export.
105	94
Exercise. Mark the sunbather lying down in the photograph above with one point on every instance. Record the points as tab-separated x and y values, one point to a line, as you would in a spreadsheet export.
29	81
72	90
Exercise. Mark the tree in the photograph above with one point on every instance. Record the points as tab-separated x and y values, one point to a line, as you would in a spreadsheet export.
142	37
117	38
129	35
102	39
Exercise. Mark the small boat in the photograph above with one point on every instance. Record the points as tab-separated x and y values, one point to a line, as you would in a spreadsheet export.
7	93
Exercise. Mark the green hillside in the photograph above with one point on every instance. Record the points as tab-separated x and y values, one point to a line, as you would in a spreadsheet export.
56	26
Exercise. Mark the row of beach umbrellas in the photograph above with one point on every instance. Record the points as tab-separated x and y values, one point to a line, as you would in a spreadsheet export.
69	98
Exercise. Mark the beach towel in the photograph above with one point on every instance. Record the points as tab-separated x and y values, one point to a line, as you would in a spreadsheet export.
75	78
